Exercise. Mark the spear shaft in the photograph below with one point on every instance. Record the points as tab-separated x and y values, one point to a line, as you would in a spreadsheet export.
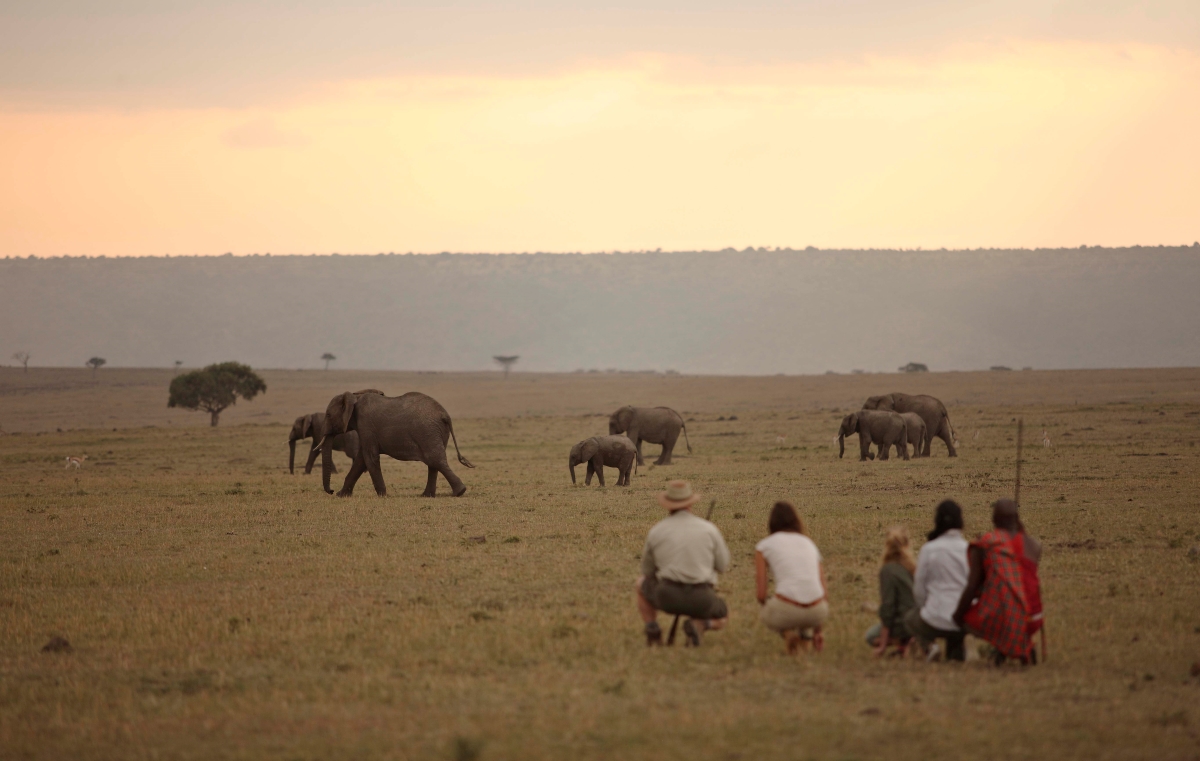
1017	488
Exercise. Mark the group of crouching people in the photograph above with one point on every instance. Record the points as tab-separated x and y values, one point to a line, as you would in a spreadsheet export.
988	588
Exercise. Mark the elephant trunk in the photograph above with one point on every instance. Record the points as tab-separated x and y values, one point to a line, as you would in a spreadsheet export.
326	464
841	445
571	464
292	456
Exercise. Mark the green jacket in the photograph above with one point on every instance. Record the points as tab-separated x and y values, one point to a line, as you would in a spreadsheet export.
895	599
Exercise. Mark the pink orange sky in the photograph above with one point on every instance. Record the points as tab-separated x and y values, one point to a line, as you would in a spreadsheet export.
959	139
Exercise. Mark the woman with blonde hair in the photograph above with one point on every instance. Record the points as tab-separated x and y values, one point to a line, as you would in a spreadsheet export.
798	609
895	593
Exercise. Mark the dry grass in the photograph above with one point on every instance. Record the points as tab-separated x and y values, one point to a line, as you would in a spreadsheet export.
219	607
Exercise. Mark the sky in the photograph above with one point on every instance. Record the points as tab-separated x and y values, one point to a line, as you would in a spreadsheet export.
134	127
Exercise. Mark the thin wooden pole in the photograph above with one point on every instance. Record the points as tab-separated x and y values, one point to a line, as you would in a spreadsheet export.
1017	488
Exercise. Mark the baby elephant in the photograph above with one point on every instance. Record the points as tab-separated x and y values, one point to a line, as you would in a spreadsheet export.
614	451
884	429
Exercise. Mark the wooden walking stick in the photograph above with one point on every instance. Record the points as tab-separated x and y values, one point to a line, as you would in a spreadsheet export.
675	623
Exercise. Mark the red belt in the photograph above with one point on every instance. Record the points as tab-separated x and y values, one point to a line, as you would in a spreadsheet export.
789	600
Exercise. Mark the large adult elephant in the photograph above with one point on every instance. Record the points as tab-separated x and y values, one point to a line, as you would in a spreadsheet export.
313	426
412	427
657	425
883	429
598	451
931	410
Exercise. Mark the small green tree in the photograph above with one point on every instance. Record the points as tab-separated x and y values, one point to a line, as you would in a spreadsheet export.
328	358
96	363
214	388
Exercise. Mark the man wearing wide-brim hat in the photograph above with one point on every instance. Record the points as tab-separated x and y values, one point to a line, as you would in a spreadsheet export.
680	562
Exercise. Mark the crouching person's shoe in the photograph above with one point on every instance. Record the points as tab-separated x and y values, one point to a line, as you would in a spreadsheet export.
653	634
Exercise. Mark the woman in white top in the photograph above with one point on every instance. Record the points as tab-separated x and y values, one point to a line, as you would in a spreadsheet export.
798	609
941	576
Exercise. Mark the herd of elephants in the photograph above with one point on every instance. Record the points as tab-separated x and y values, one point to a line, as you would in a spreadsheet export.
415	427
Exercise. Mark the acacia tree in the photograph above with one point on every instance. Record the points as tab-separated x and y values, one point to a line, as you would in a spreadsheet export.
328	358
214	388
96	363
506	363
23	358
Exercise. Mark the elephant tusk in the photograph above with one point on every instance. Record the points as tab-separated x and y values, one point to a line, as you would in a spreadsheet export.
319	443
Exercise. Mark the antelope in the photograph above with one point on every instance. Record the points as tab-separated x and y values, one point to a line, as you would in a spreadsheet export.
76	461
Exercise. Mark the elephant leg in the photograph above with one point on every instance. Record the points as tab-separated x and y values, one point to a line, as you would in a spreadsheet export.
431	483
598	466
668	449
457	487
928	442
885	450
902	443
634	436
312	458
944	435
376	474
590	472
864	448
356	470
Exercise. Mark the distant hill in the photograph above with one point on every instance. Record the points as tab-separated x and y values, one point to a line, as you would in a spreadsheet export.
724	312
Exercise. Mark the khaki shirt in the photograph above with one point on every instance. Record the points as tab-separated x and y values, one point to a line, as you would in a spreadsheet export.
686	548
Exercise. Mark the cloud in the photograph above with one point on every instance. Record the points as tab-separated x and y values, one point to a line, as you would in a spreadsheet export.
1004	144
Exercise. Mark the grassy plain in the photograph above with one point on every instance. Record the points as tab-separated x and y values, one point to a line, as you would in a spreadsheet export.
221	608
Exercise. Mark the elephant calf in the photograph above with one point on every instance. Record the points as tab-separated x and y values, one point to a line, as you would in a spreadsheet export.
884	429
313	426
614	451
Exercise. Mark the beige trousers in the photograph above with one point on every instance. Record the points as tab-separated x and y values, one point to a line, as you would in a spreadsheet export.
780	616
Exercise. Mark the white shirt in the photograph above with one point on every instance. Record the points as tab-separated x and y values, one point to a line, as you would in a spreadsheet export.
942	571
795	562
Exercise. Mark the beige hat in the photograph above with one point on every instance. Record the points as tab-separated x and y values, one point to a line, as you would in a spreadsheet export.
678	495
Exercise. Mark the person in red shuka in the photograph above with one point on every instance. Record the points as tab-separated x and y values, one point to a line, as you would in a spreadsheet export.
994	605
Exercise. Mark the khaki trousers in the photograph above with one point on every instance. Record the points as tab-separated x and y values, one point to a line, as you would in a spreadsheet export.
780	616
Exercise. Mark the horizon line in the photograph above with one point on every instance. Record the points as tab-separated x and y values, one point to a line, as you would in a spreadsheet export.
617	252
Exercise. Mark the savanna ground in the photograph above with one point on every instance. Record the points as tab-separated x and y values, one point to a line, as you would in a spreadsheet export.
221	608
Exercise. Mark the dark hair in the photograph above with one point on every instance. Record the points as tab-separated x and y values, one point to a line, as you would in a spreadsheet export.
785	518
948	516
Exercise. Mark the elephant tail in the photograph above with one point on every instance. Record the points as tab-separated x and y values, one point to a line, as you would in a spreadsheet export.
684	426
454	438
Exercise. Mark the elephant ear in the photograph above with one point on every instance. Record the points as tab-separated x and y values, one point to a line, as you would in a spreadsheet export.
590	447
306	426
348	402
852	422
577	452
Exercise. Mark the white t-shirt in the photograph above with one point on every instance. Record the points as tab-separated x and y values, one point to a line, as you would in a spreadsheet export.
795	562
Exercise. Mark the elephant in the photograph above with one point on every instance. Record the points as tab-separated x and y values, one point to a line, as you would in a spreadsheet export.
931	410
412	427
657	425
916	431
884	429
313	426
614	451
